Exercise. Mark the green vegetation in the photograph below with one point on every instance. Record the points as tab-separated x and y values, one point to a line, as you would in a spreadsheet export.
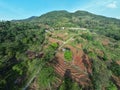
25	50
46	77
16	39
87	36
50	52
111	86
100	76
115	68
68	55
68	83
99	24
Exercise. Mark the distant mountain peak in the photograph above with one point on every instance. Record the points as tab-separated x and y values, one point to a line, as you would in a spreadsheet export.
32	17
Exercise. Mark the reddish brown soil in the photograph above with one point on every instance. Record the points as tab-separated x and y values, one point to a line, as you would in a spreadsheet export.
99	52
79	46
116	80
33	85
80	59
105	42
62	36
52	40
80	67
118	62
30	54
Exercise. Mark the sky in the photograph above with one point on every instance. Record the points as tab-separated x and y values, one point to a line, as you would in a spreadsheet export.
21	9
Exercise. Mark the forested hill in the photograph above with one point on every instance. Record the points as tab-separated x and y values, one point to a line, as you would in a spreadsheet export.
100	24
44	53
16	39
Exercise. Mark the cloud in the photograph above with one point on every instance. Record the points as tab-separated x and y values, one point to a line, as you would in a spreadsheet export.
96	5
118	17
112	5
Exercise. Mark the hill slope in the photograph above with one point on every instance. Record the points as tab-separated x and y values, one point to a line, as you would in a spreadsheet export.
60	51
100	24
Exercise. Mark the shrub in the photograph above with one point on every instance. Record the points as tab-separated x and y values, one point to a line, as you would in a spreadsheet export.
115	68
68	55
112	86
87	36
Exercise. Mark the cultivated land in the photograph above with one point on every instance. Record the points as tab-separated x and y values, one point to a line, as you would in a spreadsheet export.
60	51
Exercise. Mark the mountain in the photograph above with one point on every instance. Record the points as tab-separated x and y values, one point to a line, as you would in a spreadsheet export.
60	50
100	24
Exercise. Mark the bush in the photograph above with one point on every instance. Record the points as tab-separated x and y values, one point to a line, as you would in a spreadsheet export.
101	75
68	55
87	36
50	52
115	68
112	86
46	77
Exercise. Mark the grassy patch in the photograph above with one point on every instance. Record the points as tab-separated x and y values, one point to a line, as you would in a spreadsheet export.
68	55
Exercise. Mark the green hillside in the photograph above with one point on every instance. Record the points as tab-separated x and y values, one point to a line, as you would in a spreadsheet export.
100	24
60	50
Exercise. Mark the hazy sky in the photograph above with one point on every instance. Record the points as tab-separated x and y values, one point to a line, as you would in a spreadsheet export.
21	9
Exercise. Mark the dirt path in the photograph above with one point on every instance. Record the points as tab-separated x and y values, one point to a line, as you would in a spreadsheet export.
38	71
65	43
30	81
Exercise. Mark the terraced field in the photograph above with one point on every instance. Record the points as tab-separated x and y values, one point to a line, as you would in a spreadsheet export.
79	66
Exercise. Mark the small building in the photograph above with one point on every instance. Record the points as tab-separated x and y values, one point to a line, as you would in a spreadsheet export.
62	28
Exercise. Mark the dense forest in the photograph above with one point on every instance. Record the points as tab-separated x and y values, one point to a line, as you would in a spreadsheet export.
16	39
27	55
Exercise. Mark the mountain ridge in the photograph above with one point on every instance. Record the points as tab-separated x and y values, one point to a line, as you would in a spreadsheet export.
78	11
99	24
